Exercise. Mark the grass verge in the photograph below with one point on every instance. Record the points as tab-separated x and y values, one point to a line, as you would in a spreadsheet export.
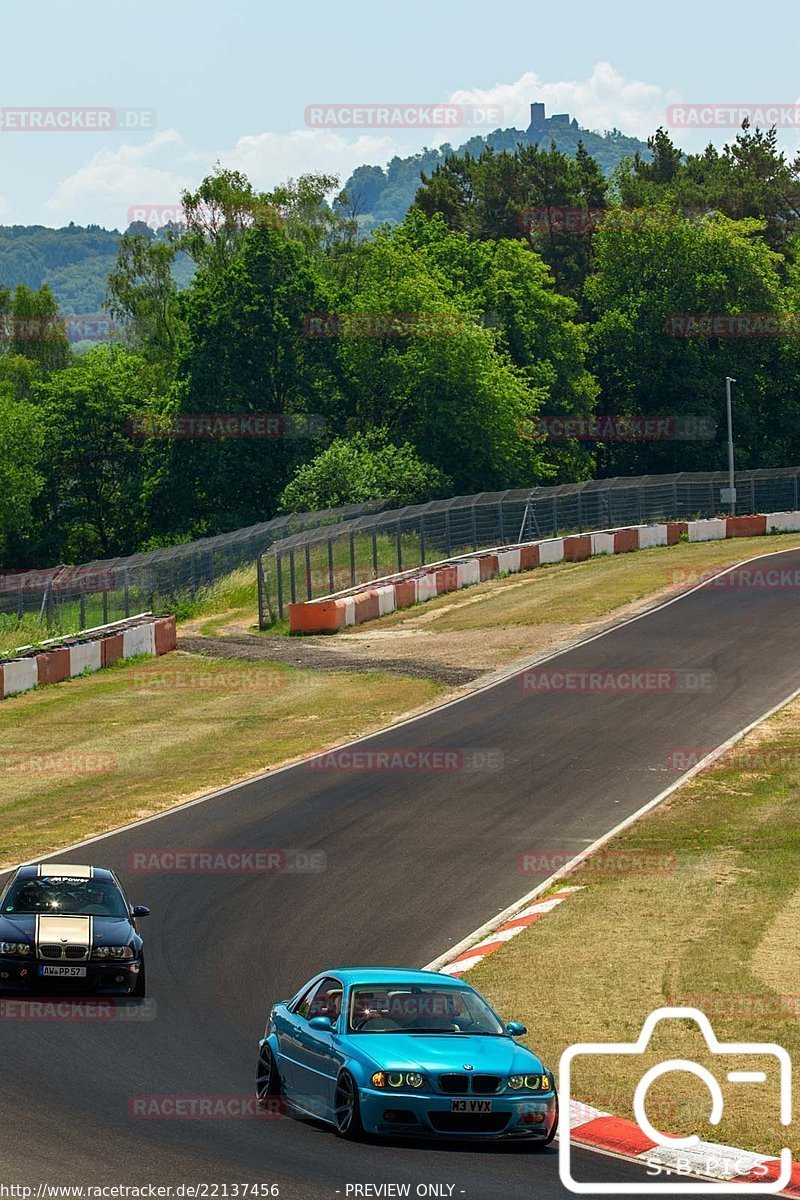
101	750
584	591
697	904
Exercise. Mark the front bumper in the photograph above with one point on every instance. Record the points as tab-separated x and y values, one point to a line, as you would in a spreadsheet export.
24	975
430	1115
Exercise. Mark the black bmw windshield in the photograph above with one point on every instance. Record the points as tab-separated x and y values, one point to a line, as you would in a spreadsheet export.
58	895
423	1008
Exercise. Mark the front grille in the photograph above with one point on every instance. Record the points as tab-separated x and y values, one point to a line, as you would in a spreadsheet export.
460	1085
61	952
445	1122
454	1085
485	1084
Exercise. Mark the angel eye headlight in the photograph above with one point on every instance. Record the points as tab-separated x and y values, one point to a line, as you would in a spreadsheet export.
414	1079
515	1082
532	1082
395	1079
14	948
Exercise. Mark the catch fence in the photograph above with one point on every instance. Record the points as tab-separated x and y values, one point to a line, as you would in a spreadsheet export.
323	561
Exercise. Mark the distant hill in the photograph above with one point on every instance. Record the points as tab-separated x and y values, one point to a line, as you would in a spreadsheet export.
381	194
73	261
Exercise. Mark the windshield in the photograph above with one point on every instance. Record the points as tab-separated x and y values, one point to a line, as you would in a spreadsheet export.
423	1008
58	895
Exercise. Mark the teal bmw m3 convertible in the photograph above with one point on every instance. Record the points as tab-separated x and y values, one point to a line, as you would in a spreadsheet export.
392	1051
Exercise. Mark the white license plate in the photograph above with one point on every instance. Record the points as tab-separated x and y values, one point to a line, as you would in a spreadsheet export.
65	972
471	1106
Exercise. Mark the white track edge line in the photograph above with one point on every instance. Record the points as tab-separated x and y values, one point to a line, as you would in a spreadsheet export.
507	913
365	737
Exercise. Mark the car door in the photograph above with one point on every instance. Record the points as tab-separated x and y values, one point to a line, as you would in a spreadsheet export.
314	1054
287	1030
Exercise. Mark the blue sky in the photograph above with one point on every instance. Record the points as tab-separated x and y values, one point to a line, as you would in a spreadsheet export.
231	82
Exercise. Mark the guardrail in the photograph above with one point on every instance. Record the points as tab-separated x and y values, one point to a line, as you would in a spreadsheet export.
320	562
367	602
64	658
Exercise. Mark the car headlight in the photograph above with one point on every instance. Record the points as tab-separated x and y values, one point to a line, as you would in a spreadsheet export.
531	1083
113	952
15	948
397	1079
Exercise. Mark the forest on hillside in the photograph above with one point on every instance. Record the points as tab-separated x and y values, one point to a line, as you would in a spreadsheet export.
303	364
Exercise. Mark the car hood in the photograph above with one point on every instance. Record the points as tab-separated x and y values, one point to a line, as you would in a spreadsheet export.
446	1052
110	931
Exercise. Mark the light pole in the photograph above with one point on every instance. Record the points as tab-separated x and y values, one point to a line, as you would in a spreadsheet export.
731	472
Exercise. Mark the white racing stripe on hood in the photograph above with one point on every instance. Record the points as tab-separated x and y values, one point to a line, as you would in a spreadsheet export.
63	931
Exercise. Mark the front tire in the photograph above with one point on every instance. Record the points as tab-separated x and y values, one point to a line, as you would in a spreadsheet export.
347	1109
268	1080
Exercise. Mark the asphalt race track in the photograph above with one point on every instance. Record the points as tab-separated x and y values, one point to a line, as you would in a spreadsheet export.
415	862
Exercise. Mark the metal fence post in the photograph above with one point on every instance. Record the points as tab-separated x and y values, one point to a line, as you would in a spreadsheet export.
474	528
292	584
502	524
422	538
105	607
309	588
375	550
279	577
399	548
580	512
555	516
260	578
82	611
127	597
331	580
352	559
448	547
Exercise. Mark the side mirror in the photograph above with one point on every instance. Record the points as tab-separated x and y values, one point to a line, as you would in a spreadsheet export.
140	910
516	1028
321	1024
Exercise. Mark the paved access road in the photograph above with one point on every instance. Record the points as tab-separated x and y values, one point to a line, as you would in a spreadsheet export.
415	861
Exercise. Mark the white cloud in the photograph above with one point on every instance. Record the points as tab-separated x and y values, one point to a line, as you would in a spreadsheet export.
606	100
104	189
112	182
268	159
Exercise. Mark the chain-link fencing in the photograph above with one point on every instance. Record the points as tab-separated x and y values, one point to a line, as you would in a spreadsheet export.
70	598
323	561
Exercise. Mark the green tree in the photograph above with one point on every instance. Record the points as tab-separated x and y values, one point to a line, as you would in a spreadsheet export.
143	294
95	466
21	480
37	331
246	351
364	467
421	364
644	279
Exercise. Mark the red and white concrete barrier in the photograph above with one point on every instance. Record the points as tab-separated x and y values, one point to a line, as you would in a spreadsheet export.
602	1131
61	659
369	601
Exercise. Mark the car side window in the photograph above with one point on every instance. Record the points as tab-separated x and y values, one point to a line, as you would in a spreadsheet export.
327	1000
302	1006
